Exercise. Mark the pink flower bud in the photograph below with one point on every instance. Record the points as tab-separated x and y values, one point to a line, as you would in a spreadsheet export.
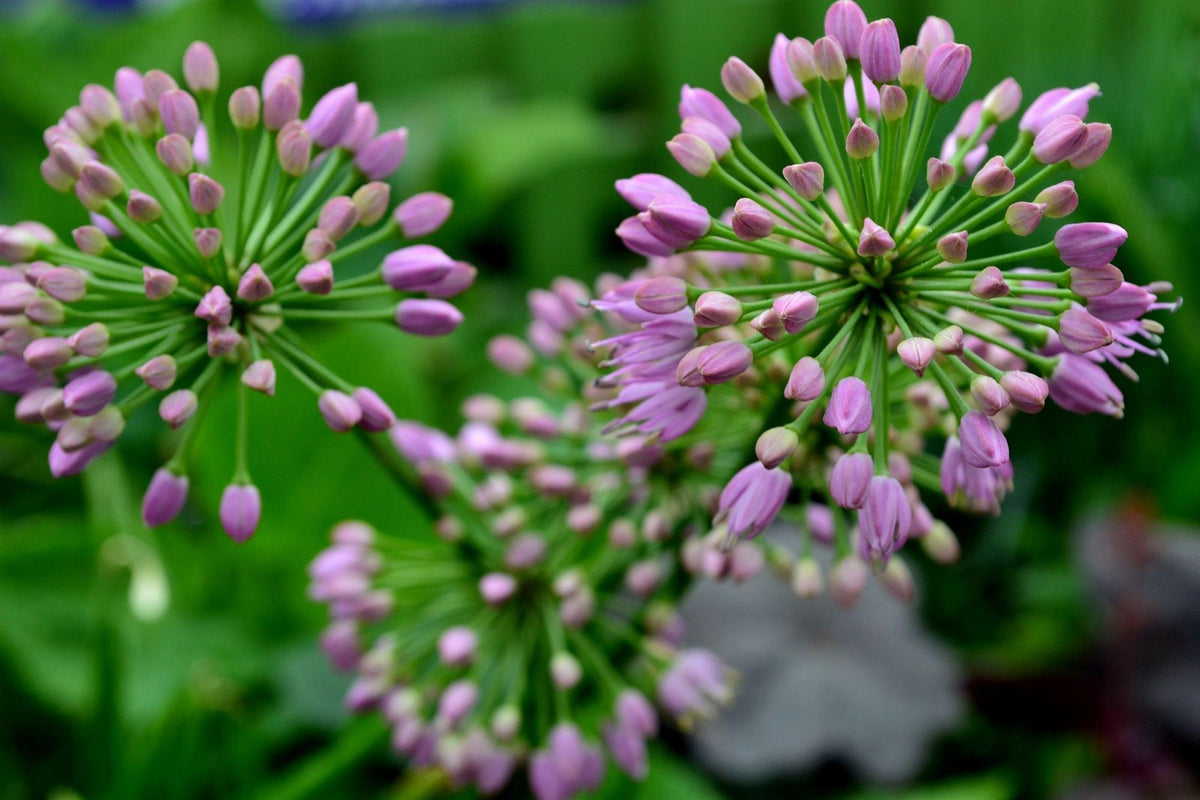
164	497
456	646
338	217
281	105
994	179
1060	139
1099	137
158	373
254	285
245	108
989	283
893	103
751	221
639	190
806	381
422	214
861	141
1055	103
205	193
661	295
880	51
1090	283
801	60
215	307
89	393
332	116
260	376
829	56
222	340
241	510
497	587
376	414
850	479
724	361
846	22
706	105
715	309
1024	218
953	247
47	353
1089	245
787	86
796	310
989	394
143	208
633	234
175	153
693	153
849	409
912	67
742	83
874	240
158	283
1003	101
1060	199
1027	391
776	445
179	113
178	407
1080	332
917	353
416	267
200	70
340	411
946	70
427	317
293	146
91	340
91	240
63	283
939	174
317	245
675	221
363	128
208	241
808	179
847	581
381	156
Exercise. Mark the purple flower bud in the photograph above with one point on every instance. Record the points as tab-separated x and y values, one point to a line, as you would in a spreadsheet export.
497	587
284	67
1126	302
885	517
158	283
1055	103
208	241
715	309
639	190
416	267
989	283
742	83
427	317
787	86
200	70
381	156
808	179
362	128
1027	391
953	247
333	115
164	497
245	108
983	445
91	239
796	310
90	340
341	645
63	283
175	152
99	105
1060	199
55	176
215	307
861	141
254	285
293	146
281	105
101	181
706	105
1092	283
830	59
260	376
89	393
376	414
675	221
179	113
338	217
724	361
64	464
316	278
751	221
880	51
806	381
934	33
989	394
633	234
776	445
128	87
1060	139
693	154
849	409
874	240
81	125
1024	218
994	179
456	646
422	214
205	193
1080	332
1003	101
222	340
317	245
159	372
752	499
1089	245
45	311
340	411
801	60
893	103
687	371
912	67
1099	137
143	208
241	510
178	407
917	353
846	22
850	479
662	295
769	325
1083	387
47	353
946	70
939	174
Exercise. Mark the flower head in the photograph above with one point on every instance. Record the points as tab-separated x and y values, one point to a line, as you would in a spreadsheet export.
214	239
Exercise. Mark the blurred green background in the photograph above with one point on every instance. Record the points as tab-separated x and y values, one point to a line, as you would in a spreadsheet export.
175	664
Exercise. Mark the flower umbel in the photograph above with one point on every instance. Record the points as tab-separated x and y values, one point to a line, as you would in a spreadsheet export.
216	235
855	299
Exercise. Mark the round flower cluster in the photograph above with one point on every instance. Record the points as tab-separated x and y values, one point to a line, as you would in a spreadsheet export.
539	626
214	237
857	300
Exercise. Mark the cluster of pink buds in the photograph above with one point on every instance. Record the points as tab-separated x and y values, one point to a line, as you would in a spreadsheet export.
217	234
854	302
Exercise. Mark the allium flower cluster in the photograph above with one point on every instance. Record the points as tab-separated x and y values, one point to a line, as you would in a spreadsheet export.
537	631
856	299
217	233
